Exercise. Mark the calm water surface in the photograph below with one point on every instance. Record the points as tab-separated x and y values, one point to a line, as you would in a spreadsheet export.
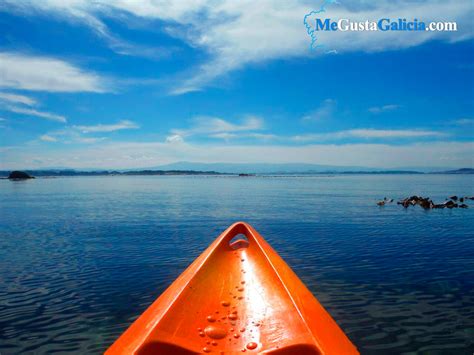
81	258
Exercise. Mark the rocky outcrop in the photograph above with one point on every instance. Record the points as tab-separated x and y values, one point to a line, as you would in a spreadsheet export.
427	203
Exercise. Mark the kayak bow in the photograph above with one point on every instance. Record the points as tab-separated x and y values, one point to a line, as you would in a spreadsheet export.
237	296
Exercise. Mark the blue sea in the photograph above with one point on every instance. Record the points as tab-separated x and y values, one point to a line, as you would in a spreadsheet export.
82	257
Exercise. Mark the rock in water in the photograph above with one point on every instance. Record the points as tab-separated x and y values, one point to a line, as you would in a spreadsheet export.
19	175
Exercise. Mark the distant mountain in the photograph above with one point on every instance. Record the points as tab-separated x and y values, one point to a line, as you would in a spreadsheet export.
189	168
458	171
71	172
265	168
295	168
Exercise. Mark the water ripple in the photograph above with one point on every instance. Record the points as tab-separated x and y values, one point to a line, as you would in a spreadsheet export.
81	258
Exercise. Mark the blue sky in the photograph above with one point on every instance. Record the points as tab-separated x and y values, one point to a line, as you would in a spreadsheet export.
135	84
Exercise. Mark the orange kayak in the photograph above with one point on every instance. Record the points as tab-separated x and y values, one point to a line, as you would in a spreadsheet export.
237	296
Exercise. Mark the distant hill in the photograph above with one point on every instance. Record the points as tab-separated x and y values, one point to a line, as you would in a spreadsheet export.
291	168
188	168
458	171
264	168
71	172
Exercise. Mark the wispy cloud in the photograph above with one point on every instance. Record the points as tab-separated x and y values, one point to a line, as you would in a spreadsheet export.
115	155
323	112
31	112
89	140
464	122
239	33
175	138
217	127
69	135
121	125
385	108
258	136
17	99
37	73
368	133
85	134
89	14
48	138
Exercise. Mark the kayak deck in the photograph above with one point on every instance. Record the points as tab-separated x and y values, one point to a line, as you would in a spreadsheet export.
235	297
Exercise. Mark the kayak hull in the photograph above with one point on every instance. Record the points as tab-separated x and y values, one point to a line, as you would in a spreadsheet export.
237	296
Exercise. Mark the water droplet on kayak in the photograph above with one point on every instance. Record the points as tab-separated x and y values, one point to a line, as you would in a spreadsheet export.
242	282
234	312
214	343
236	335
201	334
242	330
232	316
208	342
243	350
252	345
240	298
225	303
211	319
242	259
215	331
240	289
206	349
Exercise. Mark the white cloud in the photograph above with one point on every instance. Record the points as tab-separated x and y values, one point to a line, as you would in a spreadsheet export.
229	136
31	112
88	13
213	126
89	140
47	138
394	133
368	133
121	125
464	122
323	112
69	135
28	72
240	33
385	108
116	155
175	138
17	99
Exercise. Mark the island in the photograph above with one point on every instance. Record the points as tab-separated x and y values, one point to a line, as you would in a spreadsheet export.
19	175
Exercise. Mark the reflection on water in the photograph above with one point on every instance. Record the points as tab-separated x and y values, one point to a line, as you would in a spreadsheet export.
81	258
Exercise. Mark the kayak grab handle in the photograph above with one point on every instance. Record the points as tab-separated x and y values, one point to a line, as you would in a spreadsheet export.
239	241
237	236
